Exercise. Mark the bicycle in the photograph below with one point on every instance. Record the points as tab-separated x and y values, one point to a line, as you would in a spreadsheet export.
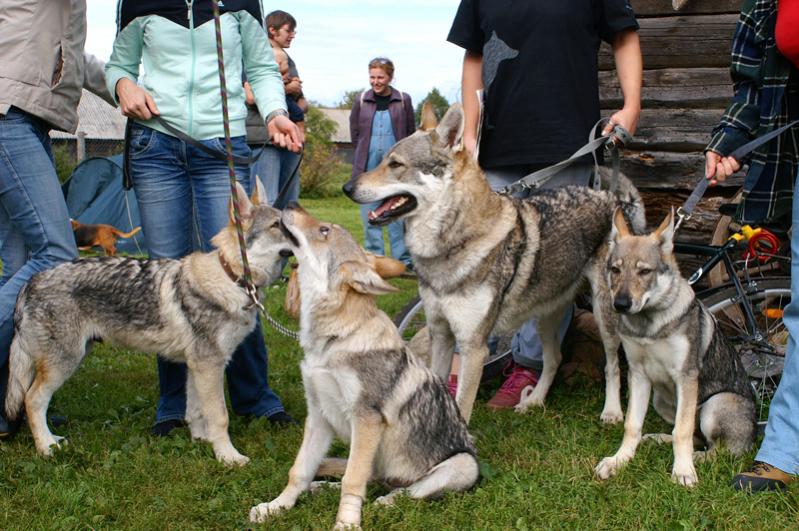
748	299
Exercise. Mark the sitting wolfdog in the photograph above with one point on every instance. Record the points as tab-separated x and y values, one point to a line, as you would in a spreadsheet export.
674	347
363	385
488	262
192	310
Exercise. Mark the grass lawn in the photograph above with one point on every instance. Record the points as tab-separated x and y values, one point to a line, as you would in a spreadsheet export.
537	469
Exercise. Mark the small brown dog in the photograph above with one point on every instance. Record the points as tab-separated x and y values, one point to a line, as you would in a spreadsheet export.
101	235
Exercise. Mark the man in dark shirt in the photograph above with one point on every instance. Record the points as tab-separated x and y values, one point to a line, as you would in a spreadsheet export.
536	63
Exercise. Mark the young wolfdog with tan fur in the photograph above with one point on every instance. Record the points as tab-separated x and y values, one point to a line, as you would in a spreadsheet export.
363	385
192	310
675	348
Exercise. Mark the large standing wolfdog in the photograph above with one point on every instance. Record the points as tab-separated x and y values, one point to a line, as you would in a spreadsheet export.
487	262
192	310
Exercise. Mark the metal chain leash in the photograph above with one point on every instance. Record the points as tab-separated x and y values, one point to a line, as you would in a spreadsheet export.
250	288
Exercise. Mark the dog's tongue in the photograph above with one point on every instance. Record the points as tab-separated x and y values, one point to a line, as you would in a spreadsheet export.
386	205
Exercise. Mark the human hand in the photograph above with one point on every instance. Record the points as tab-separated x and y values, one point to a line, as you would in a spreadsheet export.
718	167
249	97
285	133
134	101
293	86
469	143
627	117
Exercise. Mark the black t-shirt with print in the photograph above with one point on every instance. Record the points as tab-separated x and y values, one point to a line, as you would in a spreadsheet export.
539	72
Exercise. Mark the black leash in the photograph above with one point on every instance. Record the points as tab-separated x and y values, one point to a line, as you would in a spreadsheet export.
687	209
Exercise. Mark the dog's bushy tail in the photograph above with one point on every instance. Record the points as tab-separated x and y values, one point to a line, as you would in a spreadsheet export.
629	199
20	367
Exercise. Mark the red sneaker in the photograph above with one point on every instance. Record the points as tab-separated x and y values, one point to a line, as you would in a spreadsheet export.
452	384
509	394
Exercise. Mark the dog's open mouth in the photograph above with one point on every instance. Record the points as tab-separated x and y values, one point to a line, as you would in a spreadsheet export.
392	207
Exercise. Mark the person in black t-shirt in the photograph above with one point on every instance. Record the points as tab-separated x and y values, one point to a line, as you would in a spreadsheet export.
537	64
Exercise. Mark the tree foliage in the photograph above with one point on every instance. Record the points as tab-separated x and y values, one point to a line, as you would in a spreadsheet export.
348	99
437	100
320	159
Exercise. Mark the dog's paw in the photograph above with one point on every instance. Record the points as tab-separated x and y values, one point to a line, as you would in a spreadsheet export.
233	459
685	475
529	399
49	447
611	416
608	467
346	525
390	498
262	511
317	486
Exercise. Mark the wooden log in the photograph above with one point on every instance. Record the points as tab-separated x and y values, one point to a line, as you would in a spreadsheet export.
644	8
680	130
703	88
681	42
668	171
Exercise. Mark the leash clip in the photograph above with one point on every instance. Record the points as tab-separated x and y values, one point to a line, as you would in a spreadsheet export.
252	293
681	216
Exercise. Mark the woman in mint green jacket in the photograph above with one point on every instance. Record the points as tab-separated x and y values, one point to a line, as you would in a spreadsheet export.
183	191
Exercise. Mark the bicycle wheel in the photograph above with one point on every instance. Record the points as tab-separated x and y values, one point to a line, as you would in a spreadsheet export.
412	326
762	346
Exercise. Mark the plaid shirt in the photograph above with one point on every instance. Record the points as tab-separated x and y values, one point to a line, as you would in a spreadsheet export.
766	87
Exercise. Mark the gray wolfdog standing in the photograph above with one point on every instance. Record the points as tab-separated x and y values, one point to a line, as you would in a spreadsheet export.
487	262
364	385
192	310
674	347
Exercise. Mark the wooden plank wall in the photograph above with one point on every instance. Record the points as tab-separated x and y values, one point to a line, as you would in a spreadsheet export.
686	89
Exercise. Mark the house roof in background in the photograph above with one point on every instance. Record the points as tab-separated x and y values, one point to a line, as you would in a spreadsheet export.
98	119
342	119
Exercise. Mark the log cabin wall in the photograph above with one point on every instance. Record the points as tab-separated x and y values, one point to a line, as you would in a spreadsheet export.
686	88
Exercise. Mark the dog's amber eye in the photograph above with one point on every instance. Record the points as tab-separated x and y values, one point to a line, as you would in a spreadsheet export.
393	163
615	270
275	225
644	272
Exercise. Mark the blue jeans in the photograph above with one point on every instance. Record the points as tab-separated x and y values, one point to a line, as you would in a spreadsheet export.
274	168
35	233
373	237
780	447
183	198
526	344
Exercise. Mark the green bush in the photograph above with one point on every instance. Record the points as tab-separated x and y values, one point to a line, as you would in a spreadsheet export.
64	162
320	161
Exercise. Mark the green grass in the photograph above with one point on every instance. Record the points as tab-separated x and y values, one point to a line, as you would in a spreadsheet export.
537	468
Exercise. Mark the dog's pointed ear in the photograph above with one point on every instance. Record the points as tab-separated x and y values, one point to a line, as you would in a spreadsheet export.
385	266
363	279
244	205
665	233
429	120
259	196
450	130
259	193
620	228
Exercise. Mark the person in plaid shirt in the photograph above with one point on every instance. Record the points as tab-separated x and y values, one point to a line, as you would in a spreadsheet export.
766	80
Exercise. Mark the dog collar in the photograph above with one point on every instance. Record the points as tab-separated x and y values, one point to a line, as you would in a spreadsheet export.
238	280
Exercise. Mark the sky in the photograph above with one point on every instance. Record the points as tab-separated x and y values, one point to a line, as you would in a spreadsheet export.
337	38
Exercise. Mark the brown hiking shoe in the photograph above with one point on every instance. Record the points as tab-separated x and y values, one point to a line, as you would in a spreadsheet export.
761	477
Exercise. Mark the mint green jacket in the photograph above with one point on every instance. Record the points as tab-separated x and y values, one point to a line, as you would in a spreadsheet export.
180	69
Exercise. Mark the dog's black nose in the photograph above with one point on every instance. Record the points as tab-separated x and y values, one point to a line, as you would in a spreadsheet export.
622	303
347	188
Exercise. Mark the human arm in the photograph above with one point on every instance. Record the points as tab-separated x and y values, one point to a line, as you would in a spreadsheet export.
94	77
267	84
122	73
355	131
471	82
410	118
741	119
629	69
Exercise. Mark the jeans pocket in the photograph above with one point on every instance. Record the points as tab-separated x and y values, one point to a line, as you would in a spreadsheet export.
141	140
